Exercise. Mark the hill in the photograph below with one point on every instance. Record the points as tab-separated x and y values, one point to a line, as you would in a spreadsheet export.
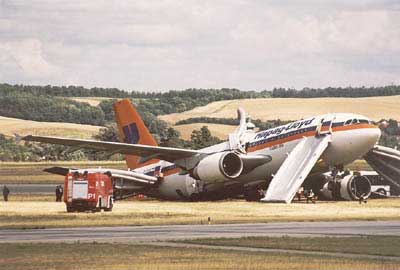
11	126
375	108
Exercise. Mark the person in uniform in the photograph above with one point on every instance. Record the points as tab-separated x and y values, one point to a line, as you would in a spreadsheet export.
6	192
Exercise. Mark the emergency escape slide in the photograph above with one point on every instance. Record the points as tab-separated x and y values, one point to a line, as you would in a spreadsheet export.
296	168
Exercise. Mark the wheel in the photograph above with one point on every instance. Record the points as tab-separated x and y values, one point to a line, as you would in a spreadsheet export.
70	209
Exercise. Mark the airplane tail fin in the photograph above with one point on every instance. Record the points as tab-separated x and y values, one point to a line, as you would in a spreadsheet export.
131	129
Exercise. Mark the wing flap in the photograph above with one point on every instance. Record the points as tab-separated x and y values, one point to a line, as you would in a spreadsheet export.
295	169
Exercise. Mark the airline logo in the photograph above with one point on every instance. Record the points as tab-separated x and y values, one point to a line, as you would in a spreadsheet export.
131	133
285	128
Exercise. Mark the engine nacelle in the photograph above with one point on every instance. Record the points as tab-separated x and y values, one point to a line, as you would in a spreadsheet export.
350	187
219	166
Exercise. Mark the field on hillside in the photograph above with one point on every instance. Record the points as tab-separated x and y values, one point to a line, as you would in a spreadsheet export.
32	172
45	214
218	130
93	101
375	108
11	126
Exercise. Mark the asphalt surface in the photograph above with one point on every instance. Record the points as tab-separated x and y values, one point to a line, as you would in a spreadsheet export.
172	232
31	188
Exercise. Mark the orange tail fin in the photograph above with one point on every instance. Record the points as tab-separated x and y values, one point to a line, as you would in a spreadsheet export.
131	129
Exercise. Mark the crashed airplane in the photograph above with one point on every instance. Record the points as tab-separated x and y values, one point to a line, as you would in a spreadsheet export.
280	160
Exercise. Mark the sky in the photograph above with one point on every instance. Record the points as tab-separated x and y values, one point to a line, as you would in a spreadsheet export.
163	45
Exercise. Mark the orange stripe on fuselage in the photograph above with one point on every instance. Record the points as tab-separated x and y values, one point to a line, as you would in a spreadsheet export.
307	134
349	127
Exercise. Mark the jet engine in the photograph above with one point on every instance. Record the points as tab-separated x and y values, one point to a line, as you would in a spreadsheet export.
219	166
349	187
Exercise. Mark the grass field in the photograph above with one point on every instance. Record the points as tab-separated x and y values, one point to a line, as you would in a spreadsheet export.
44	214
11	126
218	130
92	101
375	108
129	256
32	172
371	245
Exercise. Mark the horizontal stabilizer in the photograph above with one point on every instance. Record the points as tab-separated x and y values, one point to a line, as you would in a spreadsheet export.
58	170
131	177
296	168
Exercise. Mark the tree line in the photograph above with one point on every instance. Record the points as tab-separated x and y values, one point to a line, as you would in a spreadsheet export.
348	92
204	95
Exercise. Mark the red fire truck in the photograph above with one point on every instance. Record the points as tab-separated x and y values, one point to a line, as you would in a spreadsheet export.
88	192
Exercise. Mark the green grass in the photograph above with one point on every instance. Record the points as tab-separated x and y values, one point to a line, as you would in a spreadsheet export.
129	256
45	214
372	245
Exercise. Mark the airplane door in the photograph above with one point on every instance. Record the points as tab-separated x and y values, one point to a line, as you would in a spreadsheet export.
325	126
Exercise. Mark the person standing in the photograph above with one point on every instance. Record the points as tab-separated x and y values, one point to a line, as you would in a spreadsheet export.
58	197
61	192
310	196
6	192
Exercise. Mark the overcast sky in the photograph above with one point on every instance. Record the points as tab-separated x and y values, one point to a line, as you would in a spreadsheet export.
162	45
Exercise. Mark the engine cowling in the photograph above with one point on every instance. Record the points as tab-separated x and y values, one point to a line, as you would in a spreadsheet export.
219	166
350	187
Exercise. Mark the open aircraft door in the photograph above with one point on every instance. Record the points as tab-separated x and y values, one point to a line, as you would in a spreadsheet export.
325	125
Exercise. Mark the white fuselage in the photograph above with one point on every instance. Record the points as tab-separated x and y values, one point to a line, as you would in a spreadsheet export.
352	137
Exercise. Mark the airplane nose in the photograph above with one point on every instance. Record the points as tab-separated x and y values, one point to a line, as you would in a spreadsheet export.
373	136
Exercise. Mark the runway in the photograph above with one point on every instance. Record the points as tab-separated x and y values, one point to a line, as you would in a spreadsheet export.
171	232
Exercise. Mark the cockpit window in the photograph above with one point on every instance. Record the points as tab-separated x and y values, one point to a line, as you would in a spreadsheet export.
355	121
347	122
364	121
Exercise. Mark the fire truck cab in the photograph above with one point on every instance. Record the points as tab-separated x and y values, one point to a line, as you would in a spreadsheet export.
88	192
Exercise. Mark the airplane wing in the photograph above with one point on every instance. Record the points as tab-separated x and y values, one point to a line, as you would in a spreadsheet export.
145	151
295	169
386	162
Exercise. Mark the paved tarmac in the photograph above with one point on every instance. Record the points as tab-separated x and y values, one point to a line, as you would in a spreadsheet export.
171	232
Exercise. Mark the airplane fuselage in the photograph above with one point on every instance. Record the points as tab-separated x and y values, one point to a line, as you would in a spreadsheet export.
352	136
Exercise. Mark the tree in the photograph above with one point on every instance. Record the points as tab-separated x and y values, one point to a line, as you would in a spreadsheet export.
203	138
